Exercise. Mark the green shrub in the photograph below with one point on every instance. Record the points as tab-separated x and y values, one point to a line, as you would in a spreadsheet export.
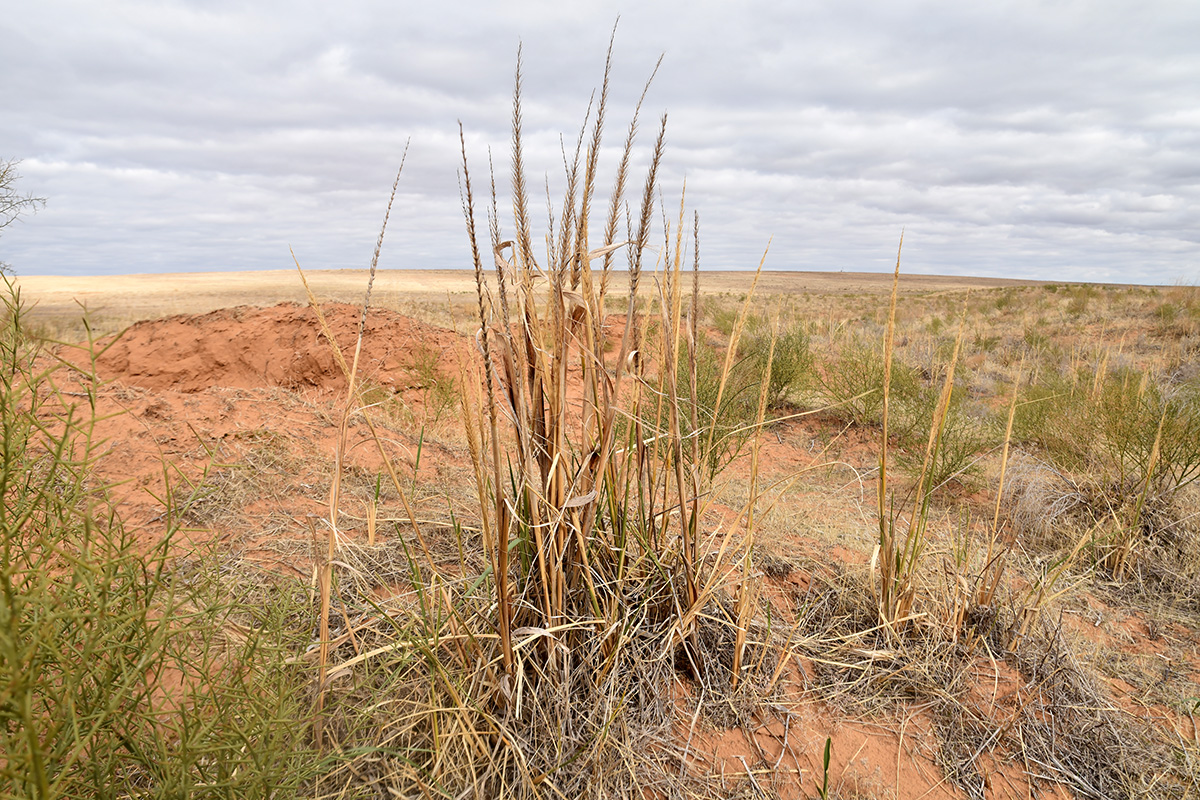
966	432
1080	297
851	382
121	675
730	426
1037	341
1055	416
1107	424
791	365
985	344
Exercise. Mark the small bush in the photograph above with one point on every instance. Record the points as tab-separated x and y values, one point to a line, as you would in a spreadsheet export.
1108	424
852	382
1037	341
985	344
730	426
1121	448
791	365
966	432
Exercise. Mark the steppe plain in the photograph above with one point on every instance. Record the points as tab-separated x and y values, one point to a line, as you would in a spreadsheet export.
1080	677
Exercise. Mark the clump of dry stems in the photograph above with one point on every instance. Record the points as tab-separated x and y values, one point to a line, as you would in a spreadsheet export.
551	672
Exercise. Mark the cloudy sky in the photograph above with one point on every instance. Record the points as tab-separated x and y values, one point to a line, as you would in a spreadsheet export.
1056	140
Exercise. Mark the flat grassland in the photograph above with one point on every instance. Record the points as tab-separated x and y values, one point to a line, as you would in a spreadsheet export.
114	301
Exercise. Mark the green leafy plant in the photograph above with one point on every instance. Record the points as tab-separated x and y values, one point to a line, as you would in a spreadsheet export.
725	428
1107	422
823	789
965	433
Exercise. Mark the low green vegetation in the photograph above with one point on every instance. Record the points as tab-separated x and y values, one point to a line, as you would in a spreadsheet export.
125	670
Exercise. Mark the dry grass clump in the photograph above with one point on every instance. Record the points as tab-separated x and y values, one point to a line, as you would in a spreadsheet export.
549	667
1072	732
861	667
1042	504
1039	708
599	723
897	639
1117	450
1169	561
258	466
1178	315
1144	536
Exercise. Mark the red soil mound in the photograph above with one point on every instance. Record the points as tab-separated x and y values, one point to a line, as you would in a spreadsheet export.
282	346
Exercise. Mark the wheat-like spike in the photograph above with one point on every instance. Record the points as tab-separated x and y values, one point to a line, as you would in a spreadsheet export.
607	403
670	301
694	340
643	233
568	258
520	194
379	242
494	211
589	175
565	259
617	200
638	244
500	539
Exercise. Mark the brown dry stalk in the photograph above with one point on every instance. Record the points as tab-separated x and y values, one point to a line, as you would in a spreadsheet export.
495	540
734	339
350	406
885	546
1119	560
994	562
671	320
747	594
897	559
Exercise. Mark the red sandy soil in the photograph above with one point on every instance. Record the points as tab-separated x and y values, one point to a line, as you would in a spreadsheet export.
261	388
199	394
263	348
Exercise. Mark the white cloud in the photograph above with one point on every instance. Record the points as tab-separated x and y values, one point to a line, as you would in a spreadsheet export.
1014	138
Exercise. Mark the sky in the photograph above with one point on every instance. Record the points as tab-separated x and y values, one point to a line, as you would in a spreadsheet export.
1054	140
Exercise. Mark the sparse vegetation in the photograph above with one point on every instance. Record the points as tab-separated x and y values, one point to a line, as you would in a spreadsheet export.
791	365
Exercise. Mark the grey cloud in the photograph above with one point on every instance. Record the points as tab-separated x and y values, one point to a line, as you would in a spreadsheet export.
1016	138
